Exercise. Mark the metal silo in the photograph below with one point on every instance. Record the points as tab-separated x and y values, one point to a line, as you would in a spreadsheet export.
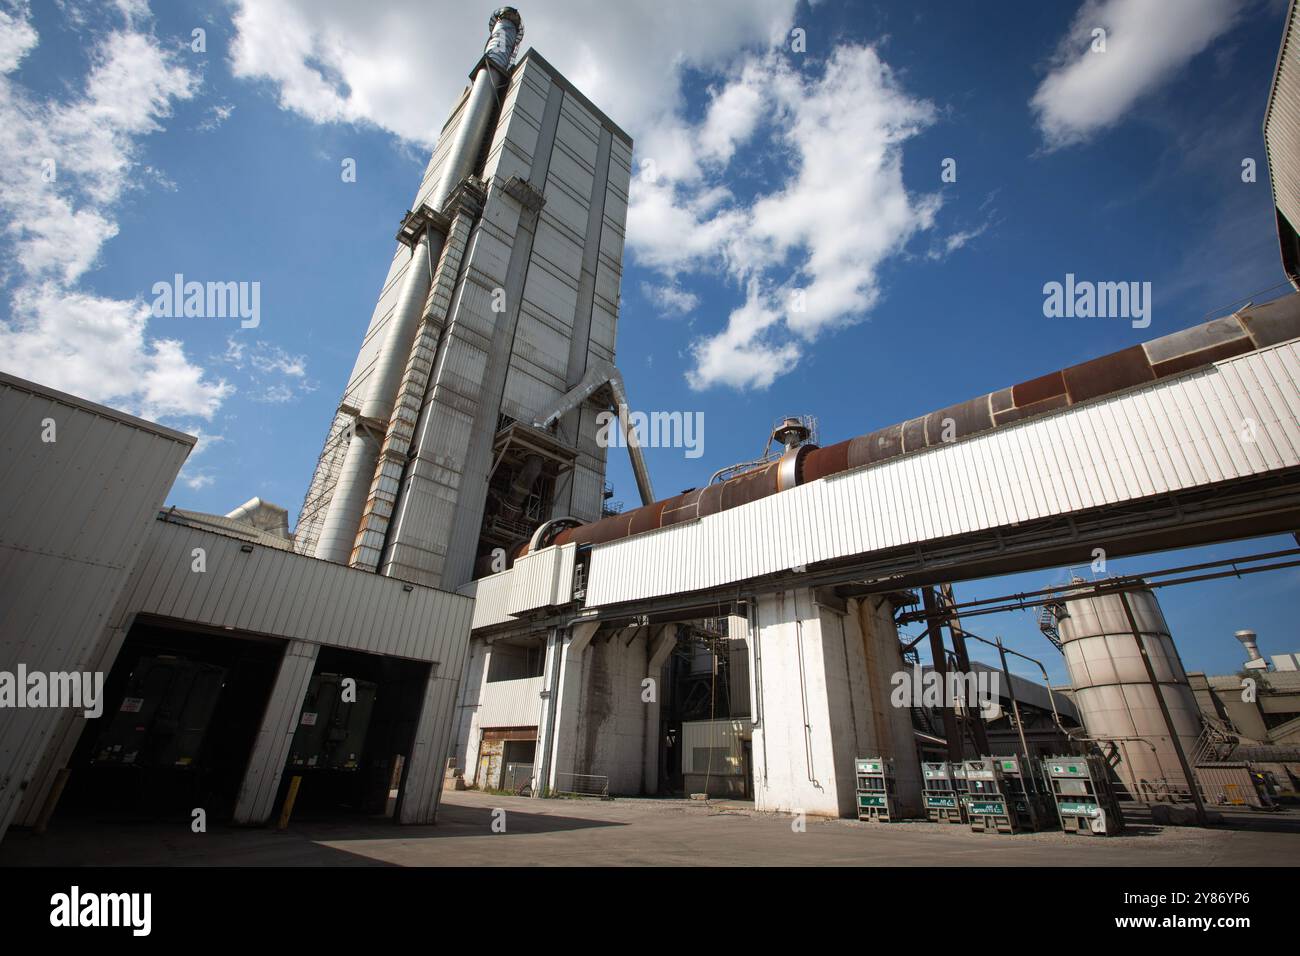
1114	692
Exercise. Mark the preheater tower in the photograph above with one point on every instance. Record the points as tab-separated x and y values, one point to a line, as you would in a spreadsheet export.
502	294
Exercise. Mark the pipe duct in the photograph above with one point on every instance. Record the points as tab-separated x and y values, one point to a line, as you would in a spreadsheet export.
1247	330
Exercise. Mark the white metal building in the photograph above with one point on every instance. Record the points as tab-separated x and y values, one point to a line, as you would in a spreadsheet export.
87	557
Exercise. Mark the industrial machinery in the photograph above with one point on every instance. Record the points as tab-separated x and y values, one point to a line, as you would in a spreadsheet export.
876	791
164	715
332	726
1081	789
1004	795
939	792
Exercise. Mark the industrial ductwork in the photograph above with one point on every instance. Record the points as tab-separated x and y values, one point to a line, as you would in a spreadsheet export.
1249	329
600	374
263	516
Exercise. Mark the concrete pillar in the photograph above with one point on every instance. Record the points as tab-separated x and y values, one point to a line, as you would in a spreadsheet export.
271	748
562	682
657	651
822	701
468	730
891	726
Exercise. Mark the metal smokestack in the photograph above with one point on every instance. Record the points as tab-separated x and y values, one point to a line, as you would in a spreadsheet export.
507	29
1247	638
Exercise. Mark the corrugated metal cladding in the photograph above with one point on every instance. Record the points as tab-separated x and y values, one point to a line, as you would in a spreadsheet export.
539	580
1174	435
282	594
511	703
74	513
542	579
491	596
1282	123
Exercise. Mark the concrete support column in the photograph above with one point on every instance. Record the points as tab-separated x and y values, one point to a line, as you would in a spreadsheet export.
472	690
425	771
271	748
657	651
562	683
822	688
890	726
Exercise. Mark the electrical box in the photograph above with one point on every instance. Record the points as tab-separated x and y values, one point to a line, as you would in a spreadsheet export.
939	793
1081	790
333	723
876	792
164	715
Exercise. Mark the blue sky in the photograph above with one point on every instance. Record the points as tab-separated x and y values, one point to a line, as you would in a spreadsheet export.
761	170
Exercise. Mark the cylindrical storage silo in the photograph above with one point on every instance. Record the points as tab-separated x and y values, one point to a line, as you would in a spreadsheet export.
1114	693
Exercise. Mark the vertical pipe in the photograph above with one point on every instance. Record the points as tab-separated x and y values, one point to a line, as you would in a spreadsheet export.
390	365
937	652
958	635
1028	779
554	651
465	148
639	470
338	533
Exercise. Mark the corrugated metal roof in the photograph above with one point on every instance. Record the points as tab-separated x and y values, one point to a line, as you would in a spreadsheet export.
228	526
1176	434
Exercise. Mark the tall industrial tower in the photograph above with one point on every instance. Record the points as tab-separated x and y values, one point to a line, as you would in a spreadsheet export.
470	418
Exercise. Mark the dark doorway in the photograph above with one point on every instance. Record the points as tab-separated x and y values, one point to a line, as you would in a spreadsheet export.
182	708
358	766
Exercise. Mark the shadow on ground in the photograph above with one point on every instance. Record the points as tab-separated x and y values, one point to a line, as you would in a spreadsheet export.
309	842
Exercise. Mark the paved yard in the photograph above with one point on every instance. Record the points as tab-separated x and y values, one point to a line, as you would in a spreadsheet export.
646	832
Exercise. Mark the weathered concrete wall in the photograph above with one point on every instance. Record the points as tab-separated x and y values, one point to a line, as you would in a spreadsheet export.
821	674
609	726
890	726
468	731
795	760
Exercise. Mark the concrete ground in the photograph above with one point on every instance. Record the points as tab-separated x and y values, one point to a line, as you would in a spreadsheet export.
646	832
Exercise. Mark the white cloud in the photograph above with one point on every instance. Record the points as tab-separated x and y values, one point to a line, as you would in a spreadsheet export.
809	250
17	37
400	64
64	166
1147	43
275	376
744	355
824	226
670	299
216	115
97	348
957	240
194	475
